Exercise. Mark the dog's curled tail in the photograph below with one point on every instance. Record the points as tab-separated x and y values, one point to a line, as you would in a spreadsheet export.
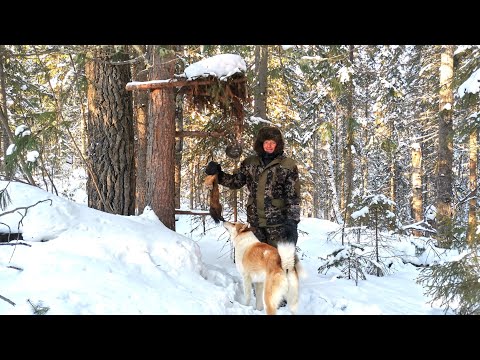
286	250
211	183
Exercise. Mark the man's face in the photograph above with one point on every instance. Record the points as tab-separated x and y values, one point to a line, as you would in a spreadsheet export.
269	146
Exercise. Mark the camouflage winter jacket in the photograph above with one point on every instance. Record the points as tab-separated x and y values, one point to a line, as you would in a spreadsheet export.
274	189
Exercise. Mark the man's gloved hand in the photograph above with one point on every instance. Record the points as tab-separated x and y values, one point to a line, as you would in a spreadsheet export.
213	168
291	231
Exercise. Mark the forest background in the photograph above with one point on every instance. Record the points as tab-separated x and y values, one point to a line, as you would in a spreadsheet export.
364	122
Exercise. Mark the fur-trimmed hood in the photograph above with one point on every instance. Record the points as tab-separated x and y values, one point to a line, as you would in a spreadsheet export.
269	133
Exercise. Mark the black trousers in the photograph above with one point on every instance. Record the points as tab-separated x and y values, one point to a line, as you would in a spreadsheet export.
271	235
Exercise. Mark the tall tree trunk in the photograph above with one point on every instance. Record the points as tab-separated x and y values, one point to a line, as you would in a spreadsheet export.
417	196
331	179
445	149
364	164
179	141
337	178
198	188
140	110
83	132
161	142
348	155
191	169
260	88
315	175
178	150
472	184
393	174
393	183
110	133
365	150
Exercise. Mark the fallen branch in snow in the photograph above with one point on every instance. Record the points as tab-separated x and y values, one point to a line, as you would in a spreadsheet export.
39	309
25	207
14	267
7	300
18	243
20	222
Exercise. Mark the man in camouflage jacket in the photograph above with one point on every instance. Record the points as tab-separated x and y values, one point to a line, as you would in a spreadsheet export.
273	206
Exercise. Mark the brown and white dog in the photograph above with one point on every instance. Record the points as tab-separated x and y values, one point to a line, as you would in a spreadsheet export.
272	270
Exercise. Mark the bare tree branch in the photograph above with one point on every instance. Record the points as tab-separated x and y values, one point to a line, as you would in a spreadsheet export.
7	300
25	208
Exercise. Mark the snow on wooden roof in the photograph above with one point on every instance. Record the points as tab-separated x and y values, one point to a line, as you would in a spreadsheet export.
221	66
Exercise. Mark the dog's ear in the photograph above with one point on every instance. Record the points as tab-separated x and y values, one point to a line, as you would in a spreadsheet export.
245	227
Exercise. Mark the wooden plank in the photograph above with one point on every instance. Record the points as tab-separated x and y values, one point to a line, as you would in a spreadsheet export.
162	84
191	212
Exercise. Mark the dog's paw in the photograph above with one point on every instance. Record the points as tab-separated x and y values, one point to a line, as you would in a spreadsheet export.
259	304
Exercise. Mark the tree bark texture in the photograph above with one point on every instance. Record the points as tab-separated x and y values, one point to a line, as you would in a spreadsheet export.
110	134
178	151
316	177
161	142
331	179
178	141
191	170
393	173
445	148
348	154
417	196
140	110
